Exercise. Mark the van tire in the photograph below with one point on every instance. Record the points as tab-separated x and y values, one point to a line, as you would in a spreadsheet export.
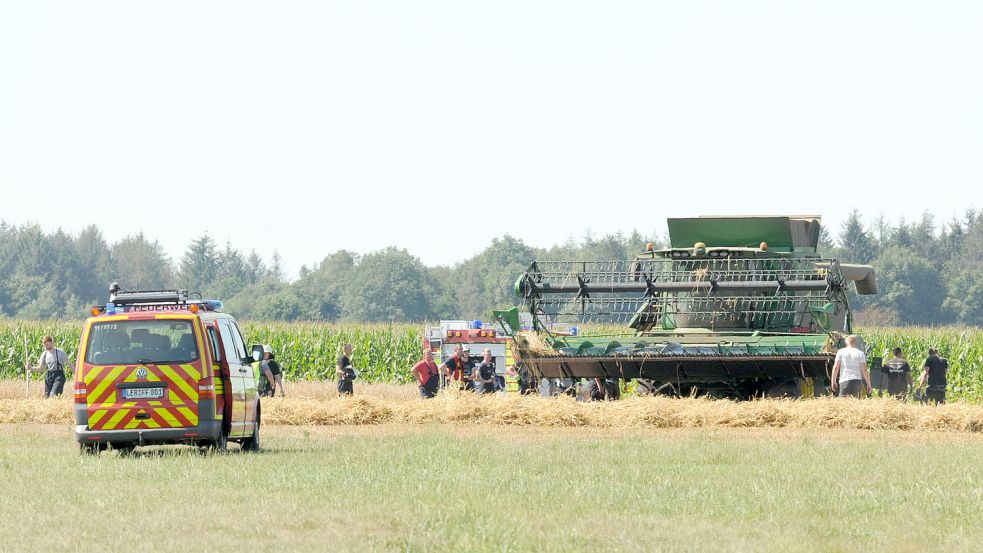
124	450
251	444
90	449
221	444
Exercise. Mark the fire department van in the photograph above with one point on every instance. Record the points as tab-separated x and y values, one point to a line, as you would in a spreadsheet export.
157	368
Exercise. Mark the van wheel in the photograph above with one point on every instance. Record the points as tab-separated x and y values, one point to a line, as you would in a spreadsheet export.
124	450
252	444
221	444
90	449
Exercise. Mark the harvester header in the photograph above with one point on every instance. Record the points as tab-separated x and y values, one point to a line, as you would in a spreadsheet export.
743	306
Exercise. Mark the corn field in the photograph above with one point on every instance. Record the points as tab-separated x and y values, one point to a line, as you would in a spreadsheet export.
305	351
385	353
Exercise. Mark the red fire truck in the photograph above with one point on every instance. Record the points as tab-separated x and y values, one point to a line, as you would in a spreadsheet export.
443	338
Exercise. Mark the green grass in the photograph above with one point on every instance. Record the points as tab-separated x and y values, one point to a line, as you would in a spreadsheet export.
454	488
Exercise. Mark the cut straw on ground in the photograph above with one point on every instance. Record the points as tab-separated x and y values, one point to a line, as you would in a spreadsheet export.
317	404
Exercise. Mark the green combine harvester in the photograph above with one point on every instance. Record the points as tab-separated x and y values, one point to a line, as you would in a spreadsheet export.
737	307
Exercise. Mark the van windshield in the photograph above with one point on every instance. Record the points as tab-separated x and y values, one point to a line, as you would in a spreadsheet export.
141	342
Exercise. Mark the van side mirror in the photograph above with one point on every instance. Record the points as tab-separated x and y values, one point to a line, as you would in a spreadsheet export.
257	352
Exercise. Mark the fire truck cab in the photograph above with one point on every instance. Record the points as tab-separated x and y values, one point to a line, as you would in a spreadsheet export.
157	368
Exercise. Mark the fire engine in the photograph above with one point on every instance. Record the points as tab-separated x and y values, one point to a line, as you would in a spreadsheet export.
444	337
156	367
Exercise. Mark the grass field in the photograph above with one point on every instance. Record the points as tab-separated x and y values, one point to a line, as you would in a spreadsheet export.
494	488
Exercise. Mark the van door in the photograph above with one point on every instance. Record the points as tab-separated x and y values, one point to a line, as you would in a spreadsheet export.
237	372
250	380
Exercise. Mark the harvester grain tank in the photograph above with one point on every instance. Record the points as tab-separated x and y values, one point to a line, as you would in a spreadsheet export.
735	307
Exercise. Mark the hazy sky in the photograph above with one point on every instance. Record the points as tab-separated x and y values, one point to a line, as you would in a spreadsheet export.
309	127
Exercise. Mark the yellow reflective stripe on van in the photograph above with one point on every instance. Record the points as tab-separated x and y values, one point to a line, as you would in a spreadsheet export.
179	381
115	420
135	423
192	372
107	381
189	414
96	416
168	416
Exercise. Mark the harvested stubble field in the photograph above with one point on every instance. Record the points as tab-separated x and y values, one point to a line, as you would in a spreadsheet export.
317	404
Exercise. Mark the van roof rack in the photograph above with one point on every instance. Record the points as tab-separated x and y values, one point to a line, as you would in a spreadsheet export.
149	297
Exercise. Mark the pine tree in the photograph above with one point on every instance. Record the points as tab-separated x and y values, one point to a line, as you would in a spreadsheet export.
856	244
199	265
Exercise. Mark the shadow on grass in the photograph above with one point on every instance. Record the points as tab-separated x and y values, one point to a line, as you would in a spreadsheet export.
161	452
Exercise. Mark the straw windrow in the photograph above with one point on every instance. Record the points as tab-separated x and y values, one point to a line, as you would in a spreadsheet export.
397	405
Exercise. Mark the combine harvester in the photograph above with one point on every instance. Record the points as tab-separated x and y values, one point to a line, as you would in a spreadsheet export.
737	307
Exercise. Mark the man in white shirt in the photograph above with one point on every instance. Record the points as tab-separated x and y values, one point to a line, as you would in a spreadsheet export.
850	370
52	363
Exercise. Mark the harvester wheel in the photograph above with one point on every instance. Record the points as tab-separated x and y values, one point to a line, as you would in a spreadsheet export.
789	388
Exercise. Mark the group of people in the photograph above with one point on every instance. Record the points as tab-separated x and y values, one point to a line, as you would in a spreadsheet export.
851	376
480	377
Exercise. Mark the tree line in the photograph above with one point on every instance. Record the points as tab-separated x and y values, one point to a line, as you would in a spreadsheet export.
927	274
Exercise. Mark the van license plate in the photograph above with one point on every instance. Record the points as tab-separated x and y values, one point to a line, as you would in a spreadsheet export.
143	393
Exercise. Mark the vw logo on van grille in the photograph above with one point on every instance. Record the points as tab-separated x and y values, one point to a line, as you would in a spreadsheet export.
142	373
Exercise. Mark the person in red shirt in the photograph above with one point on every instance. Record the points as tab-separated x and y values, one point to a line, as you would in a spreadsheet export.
426	375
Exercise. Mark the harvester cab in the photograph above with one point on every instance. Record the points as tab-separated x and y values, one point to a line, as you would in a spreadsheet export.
735	307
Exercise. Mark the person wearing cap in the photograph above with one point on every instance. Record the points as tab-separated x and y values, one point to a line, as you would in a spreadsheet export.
272	375
467	369
462	368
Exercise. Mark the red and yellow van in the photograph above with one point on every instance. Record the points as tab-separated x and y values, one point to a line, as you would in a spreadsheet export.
157	368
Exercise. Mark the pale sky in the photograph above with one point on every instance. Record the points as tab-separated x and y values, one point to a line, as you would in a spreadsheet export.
308	127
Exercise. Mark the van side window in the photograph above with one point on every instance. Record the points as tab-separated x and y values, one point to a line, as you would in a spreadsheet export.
240	343
227	341
216	352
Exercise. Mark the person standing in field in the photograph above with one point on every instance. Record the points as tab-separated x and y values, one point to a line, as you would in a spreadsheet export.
272	375
485	373
345	372
935	373
850	375
527	384
898	375
427	376
462	368
452	367
52	363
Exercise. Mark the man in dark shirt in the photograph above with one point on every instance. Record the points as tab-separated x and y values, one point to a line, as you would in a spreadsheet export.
485	373
467	369
898	375
345	372
934	374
